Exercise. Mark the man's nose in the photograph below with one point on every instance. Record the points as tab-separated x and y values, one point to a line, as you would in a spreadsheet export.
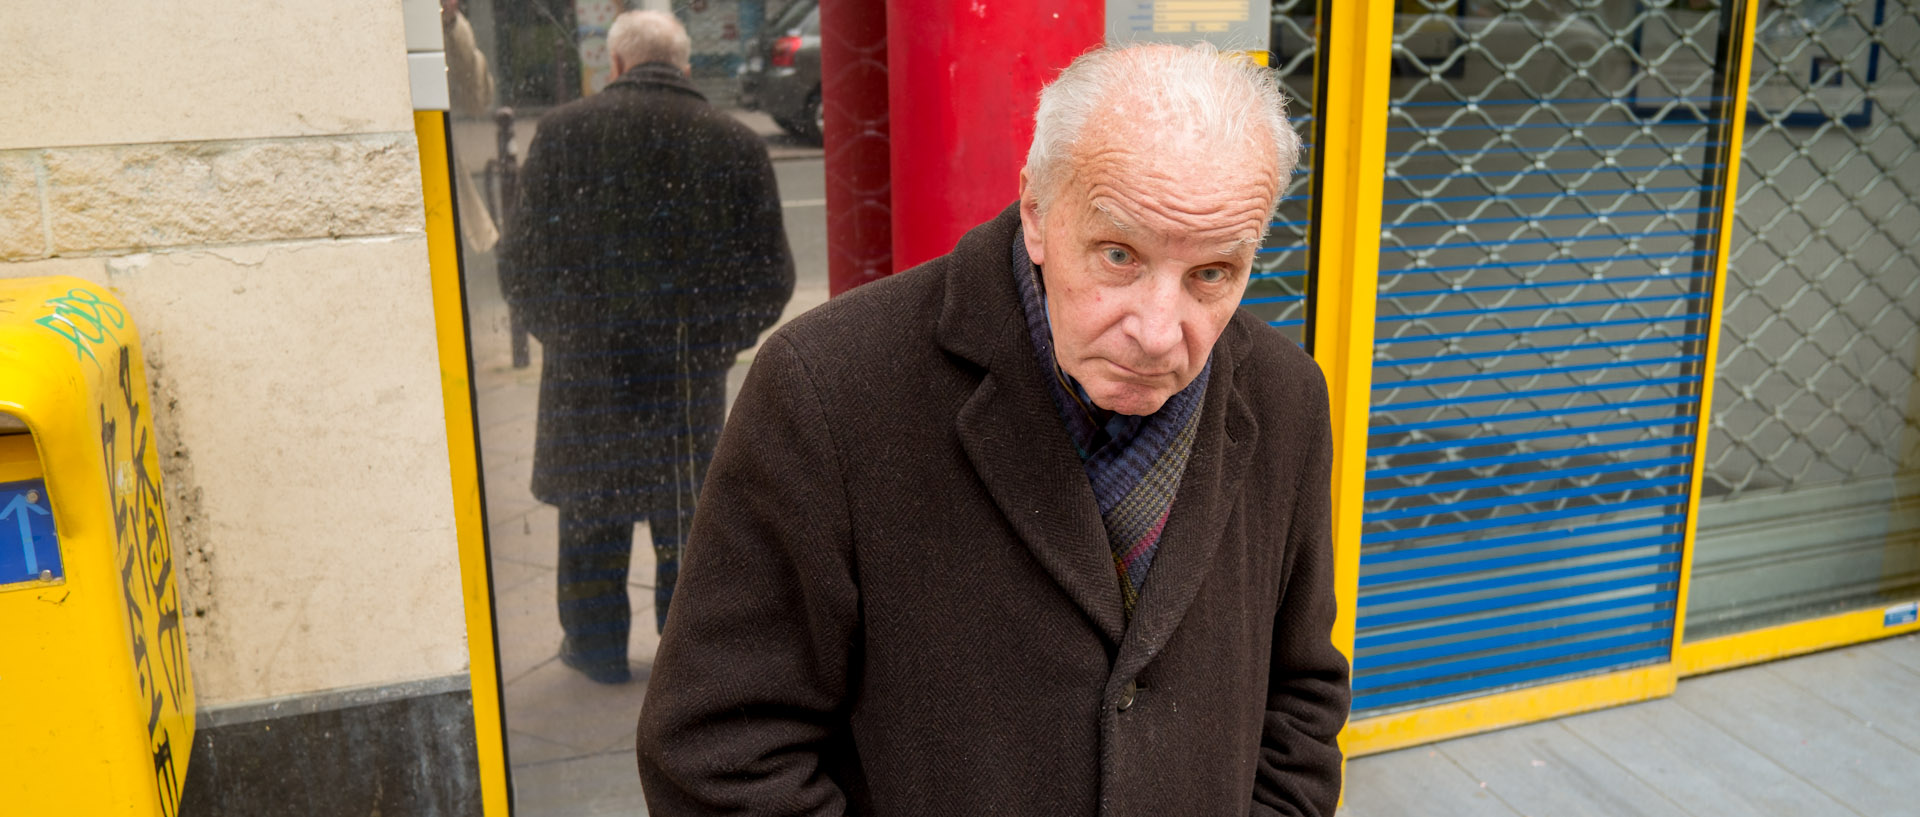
1157	317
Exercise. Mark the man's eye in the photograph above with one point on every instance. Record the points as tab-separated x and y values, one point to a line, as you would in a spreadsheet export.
1117	256
1212	275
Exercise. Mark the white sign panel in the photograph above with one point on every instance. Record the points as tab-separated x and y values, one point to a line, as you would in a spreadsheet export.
1231	25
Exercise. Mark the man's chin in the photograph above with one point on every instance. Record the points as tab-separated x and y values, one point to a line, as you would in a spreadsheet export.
1133	400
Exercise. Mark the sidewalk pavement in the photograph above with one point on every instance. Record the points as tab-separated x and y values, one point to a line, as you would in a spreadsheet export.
1833	734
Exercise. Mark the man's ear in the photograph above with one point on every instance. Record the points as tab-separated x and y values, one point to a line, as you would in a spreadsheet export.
1031	228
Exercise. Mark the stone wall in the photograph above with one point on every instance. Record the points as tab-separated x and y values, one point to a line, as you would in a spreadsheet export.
244	174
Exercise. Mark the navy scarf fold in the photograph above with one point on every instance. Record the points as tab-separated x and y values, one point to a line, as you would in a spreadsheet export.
1134	464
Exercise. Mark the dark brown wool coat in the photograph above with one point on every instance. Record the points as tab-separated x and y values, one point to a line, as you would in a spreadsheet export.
899	600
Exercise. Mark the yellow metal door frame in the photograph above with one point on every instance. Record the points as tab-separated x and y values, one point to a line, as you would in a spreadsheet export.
469	505
1356	45
1350	149
1734	89
1795	638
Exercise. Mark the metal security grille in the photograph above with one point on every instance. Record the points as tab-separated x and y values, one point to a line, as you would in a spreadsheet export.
1540	326
1815	436
1278	290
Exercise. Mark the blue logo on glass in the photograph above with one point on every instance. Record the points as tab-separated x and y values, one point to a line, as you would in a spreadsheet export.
29	549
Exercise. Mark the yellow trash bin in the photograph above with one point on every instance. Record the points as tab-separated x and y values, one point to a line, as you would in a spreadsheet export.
96	702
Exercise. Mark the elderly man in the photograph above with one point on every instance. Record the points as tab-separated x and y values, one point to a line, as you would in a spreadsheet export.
1041	526
646	252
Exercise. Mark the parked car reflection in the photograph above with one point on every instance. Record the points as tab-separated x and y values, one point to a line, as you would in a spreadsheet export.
782	73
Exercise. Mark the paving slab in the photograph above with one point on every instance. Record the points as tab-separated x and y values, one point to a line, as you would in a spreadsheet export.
557	704
527	618
508	575
1419	778
1544	770
506	506
528	539
1882	694
1824	745
1696	764
1903	650
593	786
532	750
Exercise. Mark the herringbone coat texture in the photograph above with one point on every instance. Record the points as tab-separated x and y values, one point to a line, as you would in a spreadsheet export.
899	601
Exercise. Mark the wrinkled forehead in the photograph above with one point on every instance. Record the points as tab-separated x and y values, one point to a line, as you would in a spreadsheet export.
1179	186
1181	154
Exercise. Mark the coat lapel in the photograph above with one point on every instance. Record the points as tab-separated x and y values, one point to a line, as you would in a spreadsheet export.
1013	435
1201	509
1036	480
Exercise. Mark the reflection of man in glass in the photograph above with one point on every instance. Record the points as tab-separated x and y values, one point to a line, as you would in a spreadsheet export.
1039	527
470	90
646	252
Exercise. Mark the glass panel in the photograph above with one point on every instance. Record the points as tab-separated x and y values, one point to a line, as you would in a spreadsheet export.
610	366
1810	499
645	265
1542	287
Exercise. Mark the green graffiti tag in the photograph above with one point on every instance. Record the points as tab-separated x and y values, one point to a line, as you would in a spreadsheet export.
85	320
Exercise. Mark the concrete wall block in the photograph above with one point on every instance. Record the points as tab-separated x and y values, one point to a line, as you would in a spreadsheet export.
23	232
102	72
300	385
169	195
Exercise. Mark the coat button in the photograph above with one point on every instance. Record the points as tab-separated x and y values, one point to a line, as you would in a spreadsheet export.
1126	696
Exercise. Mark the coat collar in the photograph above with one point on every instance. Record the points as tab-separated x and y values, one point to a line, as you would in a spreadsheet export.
657	75
1014	438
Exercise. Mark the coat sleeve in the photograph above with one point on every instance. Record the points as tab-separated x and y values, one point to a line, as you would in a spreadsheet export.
1308	688
746	709
528	250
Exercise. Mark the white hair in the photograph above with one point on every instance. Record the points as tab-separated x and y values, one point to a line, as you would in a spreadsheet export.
640	37
1229	98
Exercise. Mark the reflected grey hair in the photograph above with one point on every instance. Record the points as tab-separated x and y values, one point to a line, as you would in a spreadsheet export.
649	36
1233	99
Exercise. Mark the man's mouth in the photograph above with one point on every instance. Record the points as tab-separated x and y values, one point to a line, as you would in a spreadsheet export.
1139	374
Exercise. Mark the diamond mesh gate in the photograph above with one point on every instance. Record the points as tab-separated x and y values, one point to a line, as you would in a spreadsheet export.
1814	441
1544	284
1277	291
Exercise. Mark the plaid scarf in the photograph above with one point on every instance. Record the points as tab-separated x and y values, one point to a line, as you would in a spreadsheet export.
1133	463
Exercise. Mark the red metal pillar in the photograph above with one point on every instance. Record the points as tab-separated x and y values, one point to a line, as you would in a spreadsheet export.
963	77
853	79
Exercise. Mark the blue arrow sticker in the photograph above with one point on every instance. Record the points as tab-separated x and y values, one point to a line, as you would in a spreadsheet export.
29	548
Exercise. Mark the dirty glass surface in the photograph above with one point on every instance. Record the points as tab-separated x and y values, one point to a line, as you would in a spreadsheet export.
1551	171
644	266
603	370
1811	504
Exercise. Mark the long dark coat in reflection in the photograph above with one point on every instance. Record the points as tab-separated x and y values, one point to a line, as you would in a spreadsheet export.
646	253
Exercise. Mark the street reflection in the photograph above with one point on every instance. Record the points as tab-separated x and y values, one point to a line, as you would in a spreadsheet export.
629	233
